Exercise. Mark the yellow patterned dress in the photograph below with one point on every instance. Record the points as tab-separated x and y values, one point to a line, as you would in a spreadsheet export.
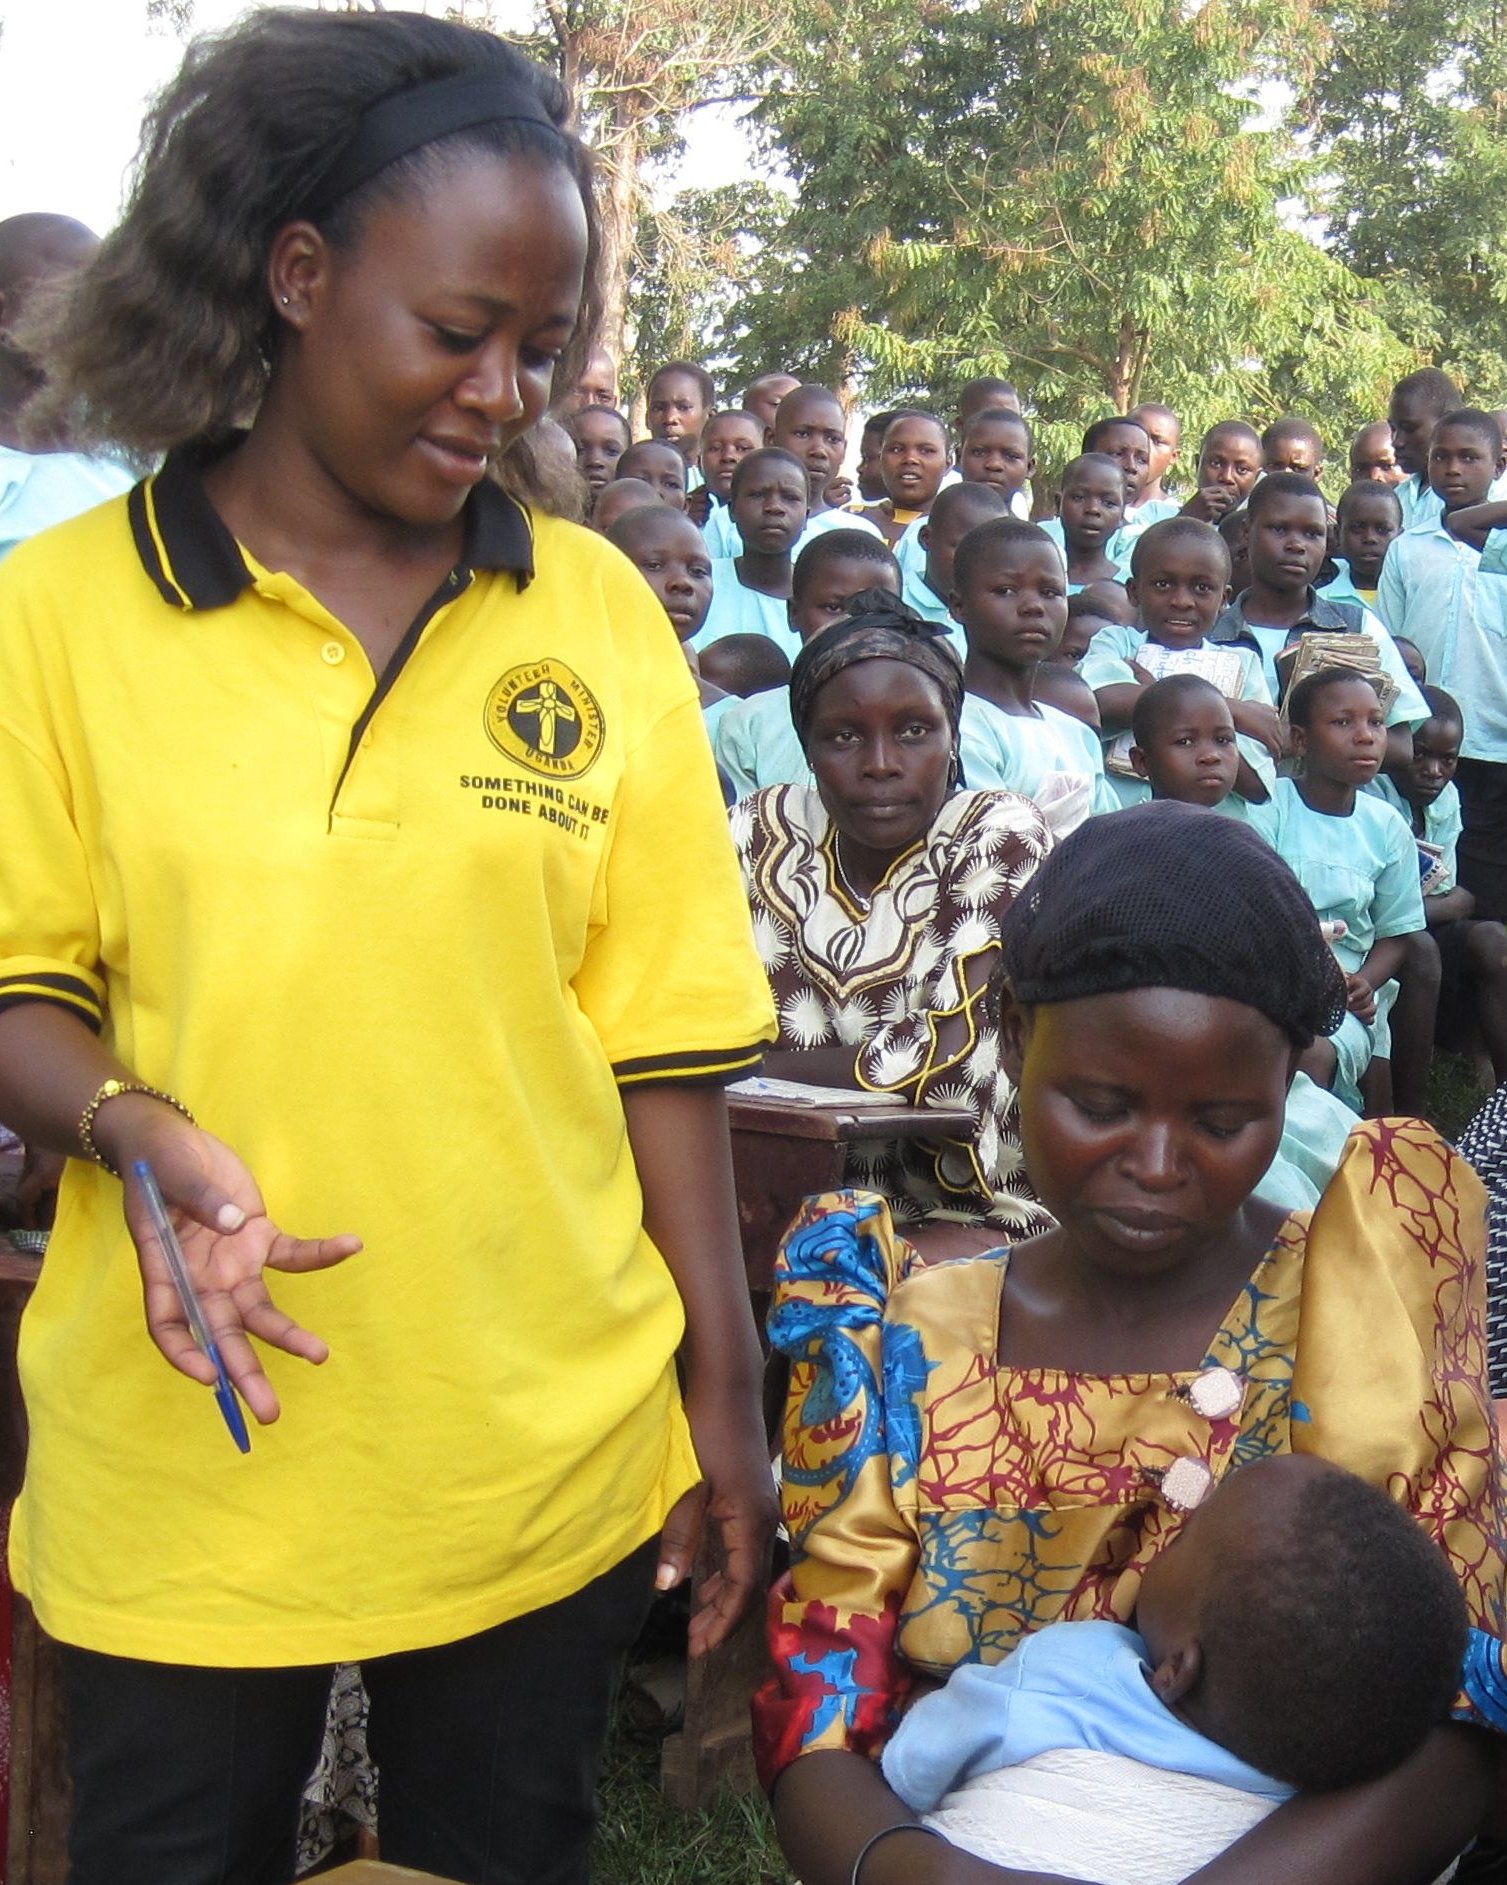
941	1507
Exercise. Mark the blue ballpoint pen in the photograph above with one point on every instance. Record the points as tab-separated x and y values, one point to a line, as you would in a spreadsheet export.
193	1310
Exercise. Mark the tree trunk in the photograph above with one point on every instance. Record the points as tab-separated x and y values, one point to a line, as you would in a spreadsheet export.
619	212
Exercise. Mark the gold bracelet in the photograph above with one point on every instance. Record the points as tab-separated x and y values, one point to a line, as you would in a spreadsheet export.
112	1090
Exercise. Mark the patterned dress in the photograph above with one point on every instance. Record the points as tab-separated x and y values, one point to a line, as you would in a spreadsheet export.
884	978
941	1506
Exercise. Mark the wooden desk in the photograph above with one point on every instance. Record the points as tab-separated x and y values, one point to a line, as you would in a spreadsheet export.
782	1154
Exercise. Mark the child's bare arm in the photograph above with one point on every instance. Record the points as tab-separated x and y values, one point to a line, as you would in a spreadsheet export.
1450	906
1117	704
1475	522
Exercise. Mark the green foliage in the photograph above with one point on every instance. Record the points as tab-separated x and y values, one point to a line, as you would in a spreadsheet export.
1410	108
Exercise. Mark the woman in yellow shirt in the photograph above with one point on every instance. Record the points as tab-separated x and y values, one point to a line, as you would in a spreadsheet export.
363	809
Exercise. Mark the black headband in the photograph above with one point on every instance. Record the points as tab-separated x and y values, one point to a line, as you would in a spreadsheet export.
405	121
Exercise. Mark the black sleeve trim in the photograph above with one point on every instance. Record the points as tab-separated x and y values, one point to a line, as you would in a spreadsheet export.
59	991
146	546
709	1067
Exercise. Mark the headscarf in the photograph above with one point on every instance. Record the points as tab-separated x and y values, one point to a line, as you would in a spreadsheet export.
1174	896
877	627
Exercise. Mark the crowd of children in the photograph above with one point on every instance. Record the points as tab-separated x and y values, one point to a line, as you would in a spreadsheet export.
1079	633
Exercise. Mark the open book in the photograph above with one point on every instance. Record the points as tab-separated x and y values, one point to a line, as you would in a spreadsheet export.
1220	667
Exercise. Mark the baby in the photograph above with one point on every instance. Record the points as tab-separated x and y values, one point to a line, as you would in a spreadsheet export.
1302	1633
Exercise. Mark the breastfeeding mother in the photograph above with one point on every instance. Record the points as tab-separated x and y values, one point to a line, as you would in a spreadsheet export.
364	872
877	901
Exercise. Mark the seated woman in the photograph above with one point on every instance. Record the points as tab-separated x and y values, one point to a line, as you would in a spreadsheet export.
1049	1412
877	902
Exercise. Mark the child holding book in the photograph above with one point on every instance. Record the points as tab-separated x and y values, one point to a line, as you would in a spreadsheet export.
1356	859
1180	572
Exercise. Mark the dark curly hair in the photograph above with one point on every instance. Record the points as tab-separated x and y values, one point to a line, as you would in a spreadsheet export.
167	335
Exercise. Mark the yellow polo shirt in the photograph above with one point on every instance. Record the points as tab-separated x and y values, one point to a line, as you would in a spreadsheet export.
400	945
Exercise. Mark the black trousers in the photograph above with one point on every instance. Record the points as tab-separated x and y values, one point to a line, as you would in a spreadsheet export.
1483	842
487	1749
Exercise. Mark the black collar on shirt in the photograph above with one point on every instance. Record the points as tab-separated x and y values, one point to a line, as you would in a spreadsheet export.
1320	614
196	563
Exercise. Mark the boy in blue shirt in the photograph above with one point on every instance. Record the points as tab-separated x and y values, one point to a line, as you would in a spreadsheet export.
1433	590
751	591
1287	542
1090	511
1292	444
1229	463
1010	594
1467	989
958	509
1165	431
998	448
1419	401
1368	522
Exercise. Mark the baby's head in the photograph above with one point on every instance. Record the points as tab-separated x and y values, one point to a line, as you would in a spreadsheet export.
1305	1622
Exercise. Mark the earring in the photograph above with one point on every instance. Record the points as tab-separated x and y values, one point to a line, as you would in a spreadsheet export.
954	770
284	300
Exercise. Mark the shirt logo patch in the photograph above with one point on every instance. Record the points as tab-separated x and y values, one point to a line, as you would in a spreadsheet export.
546	718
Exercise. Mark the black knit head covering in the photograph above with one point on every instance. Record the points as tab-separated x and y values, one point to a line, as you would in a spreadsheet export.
1173	896
877	627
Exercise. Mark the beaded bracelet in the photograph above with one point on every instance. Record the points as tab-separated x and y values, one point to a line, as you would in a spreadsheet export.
111	1090
901	1826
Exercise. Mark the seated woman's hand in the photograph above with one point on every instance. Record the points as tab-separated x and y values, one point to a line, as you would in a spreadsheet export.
1360	998
228	1241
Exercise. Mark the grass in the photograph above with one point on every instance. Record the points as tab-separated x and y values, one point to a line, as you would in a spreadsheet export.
644	1840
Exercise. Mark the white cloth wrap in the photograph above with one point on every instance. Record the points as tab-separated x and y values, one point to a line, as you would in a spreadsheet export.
1098	1817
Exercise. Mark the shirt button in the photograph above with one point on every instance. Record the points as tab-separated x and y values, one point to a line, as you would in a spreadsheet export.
333	653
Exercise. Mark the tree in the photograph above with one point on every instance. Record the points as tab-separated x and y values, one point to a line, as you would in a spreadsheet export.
1081	197
1410	108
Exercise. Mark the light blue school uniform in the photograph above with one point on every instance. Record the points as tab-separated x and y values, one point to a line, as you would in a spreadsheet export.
1138	520
40	489
756	745
1070	1686
1343	588
1494	556
1422	506
1106	663
738	610
1442	825
1361	869
1324	616
721	535
918	592
1053	527
1431	591
1012	753
712	714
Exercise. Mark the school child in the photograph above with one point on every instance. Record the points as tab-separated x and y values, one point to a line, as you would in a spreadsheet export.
1165	431
1433	590
1356	859
870	451
1090	511
1368	521
1086	615
597	385
1469	982
1229	463
1235	529
1058	682
1292	444
600	435
1185	742
1158	1743
744	665
1010	595
680	397
755	741
1179	580
1419	401
726	439
912	464
660	466
763	398
957	510
1288	540
999	448
812	425
619	497
668	550
1372	458
751	591
1412	660
1127	442
984	395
